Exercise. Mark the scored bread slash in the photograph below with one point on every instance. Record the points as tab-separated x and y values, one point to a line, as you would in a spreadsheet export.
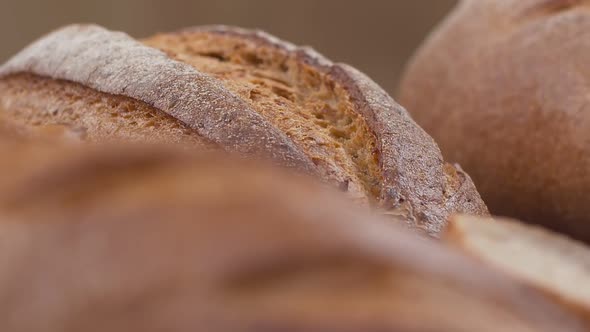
551	262
243	91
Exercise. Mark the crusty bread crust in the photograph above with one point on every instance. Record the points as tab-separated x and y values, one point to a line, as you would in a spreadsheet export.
105	61
148	239
414	179
411	162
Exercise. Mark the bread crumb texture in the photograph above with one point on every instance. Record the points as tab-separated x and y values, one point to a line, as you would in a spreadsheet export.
45	104
309	106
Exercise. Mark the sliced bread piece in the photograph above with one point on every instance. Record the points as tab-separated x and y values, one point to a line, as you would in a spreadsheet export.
551	262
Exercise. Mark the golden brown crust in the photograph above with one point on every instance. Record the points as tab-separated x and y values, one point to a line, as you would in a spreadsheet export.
376	152
114	63
412	168
150	239
296	98
502	87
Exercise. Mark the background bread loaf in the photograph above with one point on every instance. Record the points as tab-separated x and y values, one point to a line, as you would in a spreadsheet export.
243	91
126	239
503	88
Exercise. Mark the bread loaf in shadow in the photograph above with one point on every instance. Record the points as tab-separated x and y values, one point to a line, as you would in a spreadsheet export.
153	239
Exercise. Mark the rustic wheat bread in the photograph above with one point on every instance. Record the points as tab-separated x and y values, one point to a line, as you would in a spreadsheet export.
149	239
551	262
241	91
502	85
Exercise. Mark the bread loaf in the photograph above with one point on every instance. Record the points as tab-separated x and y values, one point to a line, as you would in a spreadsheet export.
243	91
149	239
502	85
553	263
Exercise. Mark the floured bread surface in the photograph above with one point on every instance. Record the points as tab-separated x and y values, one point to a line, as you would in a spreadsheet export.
309	106
116	64
60	107
552	262
246	92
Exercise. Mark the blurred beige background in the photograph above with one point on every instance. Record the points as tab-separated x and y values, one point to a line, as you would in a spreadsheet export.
376	36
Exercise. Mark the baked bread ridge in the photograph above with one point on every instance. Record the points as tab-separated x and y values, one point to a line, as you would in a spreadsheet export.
414	175
104	61
206	251
553	263
40	104
410	177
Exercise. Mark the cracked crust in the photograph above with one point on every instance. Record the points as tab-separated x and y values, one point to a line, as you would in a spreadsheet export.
411	177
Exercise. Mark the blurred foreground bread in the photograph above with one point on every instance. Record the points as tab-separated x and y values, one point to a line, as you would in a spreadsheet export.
244	91
553	263
145	239
503	87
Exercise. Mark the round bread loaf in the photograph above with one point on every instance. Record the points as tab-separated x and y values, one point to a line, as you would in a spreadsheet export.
502	86
149	239
243	91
